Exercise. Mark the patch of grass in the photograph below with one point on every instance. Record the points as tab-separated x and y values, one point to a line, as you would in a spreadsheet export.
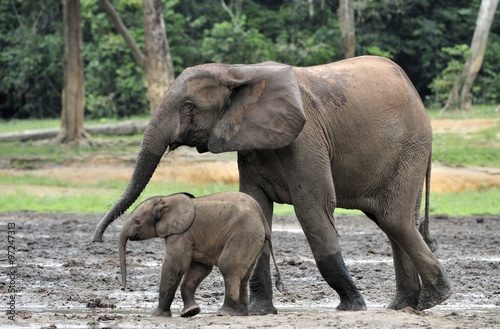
25	194
99	198
35	124
472	149
33	180
22	200
30	155
483	202
7	126
477	112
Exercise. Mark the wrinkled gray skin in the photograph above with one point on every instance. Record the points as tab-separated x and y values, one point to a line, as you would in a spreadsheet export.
352	134
227	230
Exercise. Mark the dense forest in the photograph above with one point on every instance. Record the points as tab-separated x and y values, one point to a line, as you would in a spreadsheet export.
429	39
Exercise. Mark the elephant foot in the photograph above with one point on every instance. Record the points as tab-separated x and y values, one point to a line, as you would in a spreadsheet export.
189	311
433	295
402	301
226	311
356	304
163	313
262	308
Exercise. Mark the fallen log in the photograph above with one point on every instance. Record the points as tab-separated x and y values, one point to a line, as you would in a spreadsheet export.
116	129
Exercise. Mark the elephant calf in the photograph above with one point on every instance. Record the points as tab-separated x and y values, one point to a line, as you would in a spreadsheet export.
227	230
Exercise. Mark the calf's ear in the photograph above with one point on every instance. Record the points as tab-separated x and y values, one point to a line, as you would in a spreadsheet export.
175	214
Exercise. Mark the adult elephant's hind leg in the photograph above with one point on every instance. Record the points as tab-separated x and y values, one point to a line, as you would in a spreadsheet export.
435	289
407	281
261	288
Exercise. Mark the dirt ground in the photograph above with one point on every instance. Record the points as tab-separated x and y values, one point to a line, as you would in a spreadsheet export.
66	281
63	280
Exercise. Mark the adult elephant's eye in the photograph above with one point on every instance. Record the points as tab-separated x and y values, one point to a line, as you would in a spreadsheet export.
137	221
188	106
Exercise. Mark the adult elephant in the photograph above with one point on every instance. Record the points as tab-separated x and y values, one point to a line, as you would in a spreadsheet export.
351	134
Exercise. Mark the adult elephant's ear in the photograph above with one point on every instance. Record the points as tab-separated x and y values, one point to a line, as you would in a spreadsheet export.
174	214
264	109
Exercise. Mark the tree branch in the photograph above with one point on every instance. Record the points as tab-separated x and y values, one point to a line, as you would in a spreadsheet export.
139	57
229	11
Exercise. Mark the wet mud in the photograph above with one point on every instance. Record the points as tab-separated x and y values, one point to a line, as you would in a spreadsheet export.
63	280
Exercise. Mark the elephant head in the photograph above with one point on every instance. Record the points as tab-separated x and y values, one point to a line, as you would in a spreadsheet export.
156	217
217	108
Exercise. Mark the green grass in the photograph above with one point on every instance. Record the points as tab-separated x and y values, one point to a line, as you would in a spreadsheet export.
33	124
26	191
21	201
32	180
21	125
465	203
31	154
98	198
84	198
477	112
473	149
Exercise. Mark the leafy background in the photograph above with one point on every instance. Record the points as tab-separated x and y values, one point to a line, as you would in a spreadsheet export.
429	39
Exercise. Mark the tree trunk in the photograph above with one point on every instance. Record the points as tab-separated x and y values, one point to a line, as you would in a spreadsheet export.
159	65
139	57
73	93
460	95
117	129
347	27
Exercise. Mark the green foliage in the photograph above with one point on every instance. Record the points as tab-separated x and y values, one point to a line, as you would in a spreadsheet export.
30	52
307	40
228	43
114	83
418	35
443	83
376	51
485	89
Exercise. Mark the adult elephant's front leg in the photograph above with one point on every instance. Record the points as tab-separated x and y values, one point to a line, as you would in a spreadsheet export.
314	199
261	287
323	240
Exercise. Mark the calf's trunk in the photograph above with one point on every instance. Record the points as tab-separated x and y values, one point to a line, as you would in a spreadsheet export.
122	249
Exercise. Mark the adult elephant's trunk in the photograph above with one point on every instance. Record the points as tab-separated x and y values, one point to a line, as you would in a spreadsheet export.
144	169
122	248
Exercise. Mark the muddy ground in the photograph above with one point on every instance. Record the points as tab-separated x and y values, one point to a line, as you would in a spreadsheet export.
66	281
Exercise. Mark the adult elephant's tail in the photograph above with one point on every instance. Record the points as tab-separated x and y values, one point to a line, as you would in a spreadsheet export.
423	227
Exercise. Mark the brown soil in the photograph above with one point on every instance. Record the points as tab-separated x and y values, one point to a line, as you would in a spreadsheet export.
66	281
464	126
